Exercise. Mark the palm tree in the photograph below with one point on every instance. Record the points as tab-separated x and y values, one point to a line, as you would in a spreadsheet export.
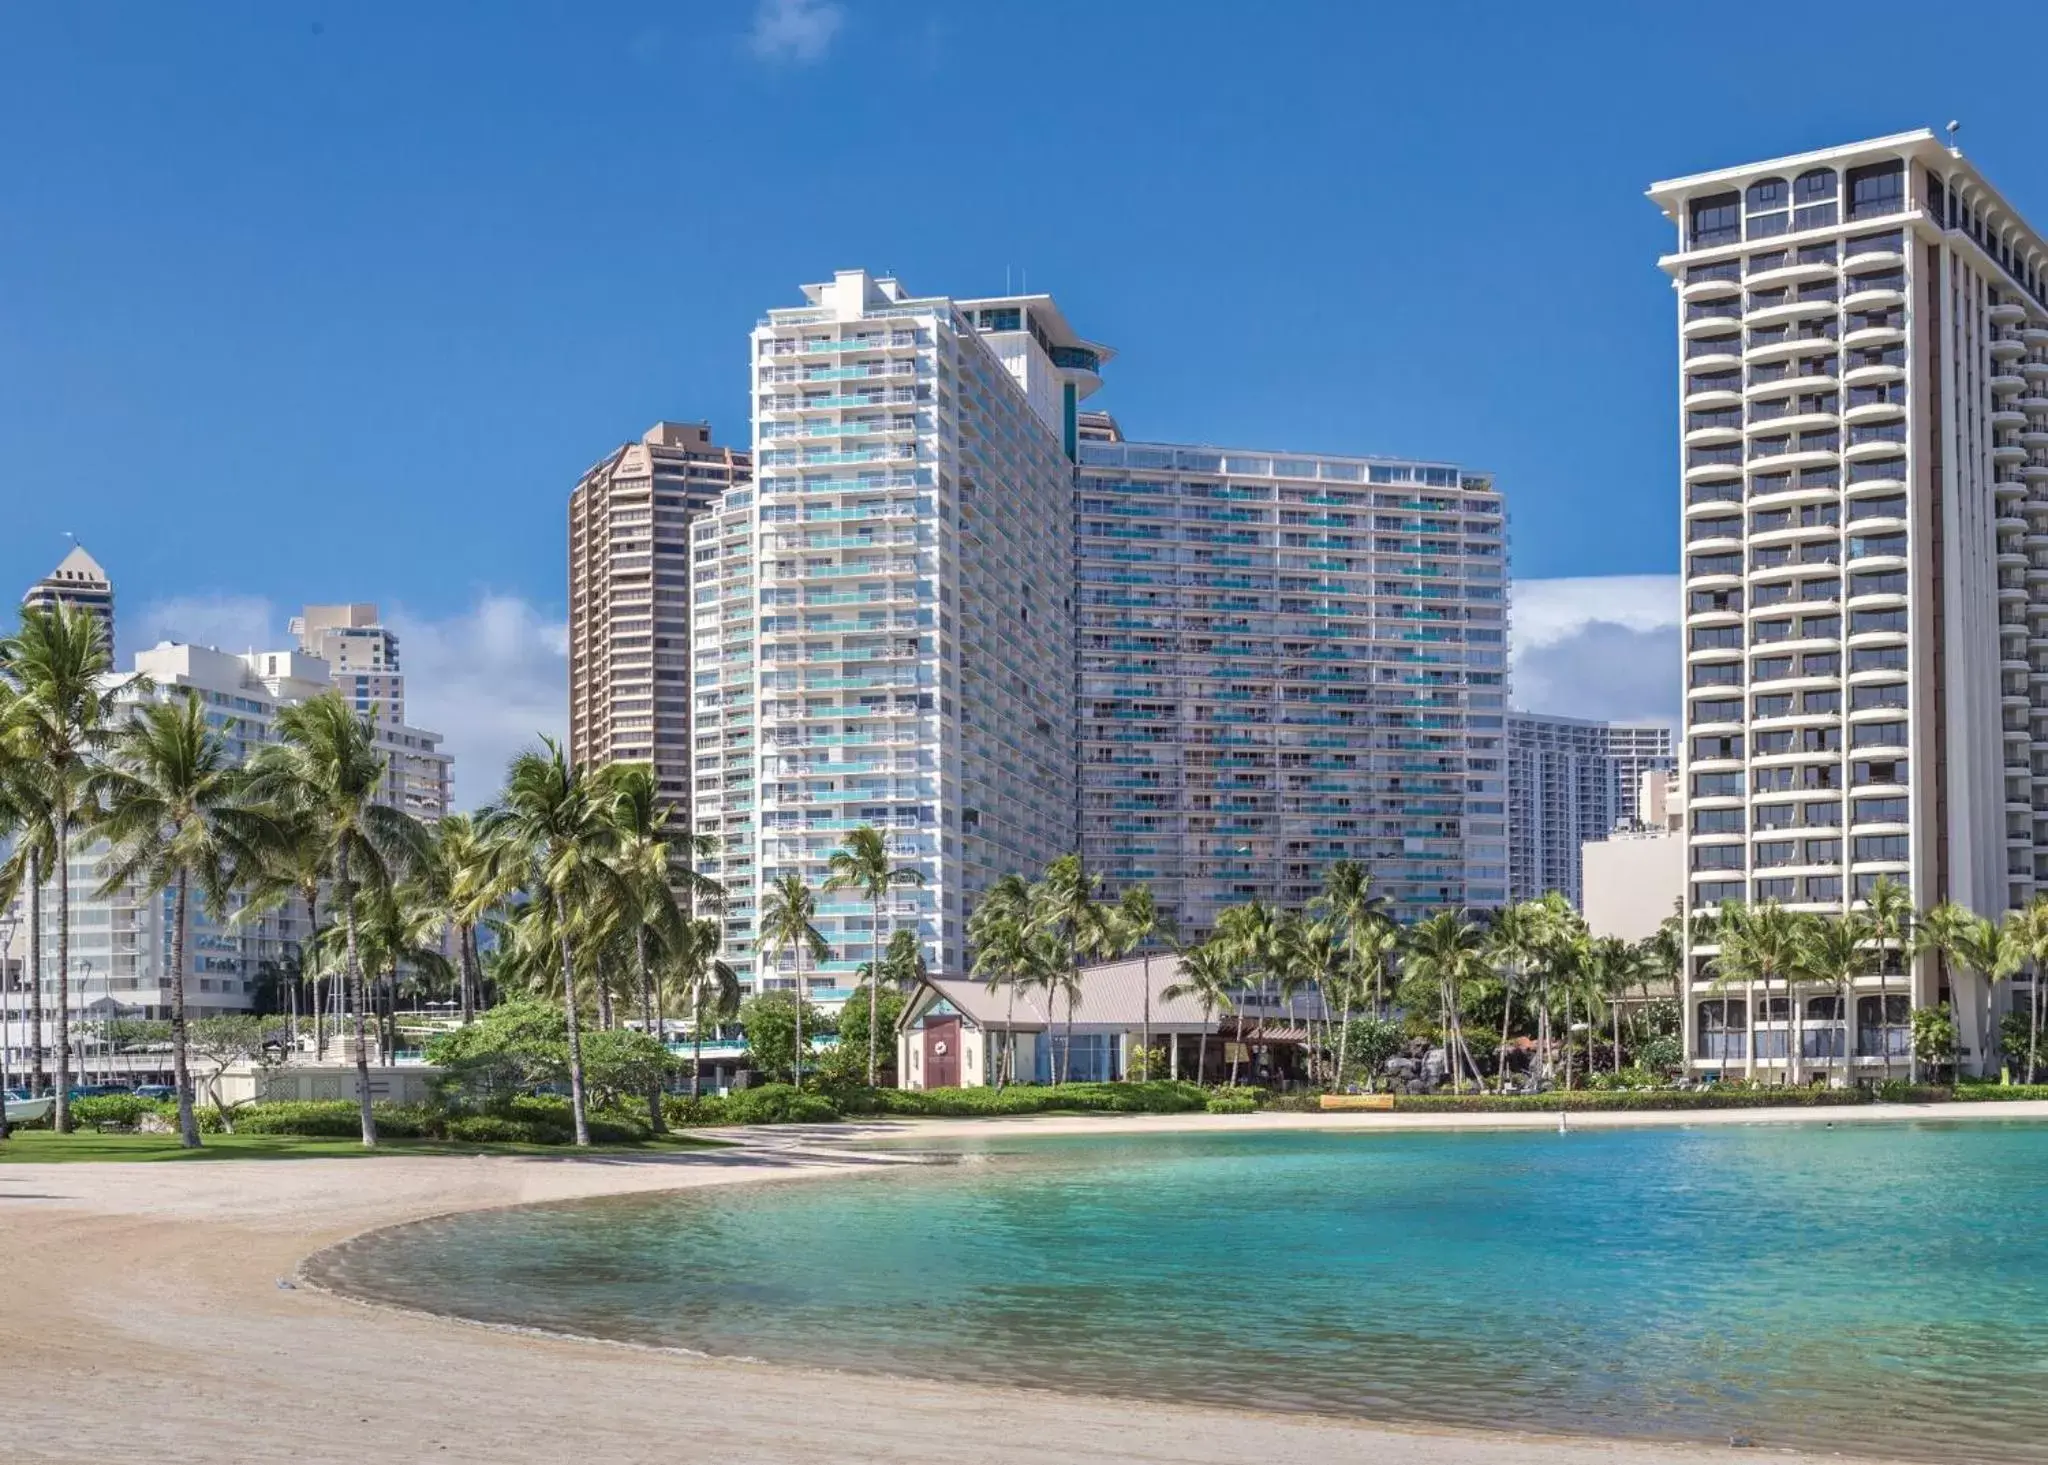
862	864
553	815
1838	950
1516	939
709	986
1251	935
25	813
1607	971
1362	918
2030	935
1447	951
998	931
1889	907
1208	973
293	864
1971	944
325	770
1316	957
789	923
174	818
58	723
1760	945
472	877
1066	907
1139	923
646	849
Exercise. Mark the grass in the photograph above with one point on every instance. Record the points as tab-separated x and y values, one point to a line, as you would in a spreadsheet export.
42	1146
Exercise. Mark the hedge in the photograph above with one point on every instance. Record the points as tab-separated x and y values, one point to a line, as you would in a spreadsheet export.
773	1103
1627	1099
1161	1096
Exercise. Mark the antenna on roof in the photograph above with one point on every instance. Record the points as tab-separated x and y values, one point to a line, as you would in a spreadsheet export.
1953	128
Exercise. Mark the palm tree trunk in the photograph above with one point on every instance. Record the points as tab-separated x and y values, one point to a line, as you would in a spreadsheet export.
874	985
575	1033
796	1062
647	1021
39	1073
605	1016
465	955
1794	1054
1507	1010
1010	1038
63	1118
1567	1040
1237	1048
2033	1022
1617	1035
181	1071
1145	1038
697	1044
352	976
1344	1036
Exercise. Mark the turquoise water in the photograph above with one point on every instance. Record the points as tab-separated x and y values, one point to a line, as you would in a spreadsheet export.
1875	1289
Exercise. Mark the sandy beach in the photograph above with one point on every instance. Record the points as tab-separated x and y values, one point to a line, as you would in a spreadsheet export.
146	1321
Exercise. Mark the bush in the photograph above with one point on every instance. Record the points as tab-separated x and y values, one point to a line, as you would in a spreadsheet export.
1720	1097
777	1103
116	1109
1228	1102
333	1119
1162	1096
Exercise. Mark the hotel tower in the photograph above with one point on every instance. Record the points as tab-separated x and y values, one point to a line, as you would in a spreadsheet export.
1863	379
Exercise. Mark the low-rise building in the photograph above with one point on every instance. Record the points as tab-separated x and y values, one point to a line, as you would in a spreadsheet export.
1635	877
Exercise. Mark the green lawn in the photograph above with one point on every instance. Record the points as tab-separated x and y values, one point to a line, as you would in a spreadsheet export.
38	1146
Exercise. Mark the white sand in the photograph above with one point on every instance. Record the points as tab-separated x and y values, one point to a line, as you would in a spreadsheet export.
143	1321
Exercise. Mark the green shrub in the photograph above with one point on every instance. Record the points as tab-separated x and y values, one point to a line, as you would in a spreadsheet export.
777	1103
114	1109
1719	1097
1995	1092
489	1129
1232	1103
332	1119
1162	1096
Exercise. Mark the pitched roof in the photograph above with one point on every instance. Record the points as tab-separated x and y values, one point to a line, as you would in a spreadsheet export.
1112	993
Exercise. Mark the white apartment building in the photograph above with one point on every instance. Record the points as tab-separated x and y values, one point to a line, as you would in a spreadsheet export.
1285	660
629	597
1571	780
120	943
883	627
1863	363
361	655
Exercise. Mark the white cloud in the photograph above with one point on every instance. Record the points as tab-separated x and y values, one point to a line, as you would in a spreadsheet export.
1598	646
490	680
799	31
226	622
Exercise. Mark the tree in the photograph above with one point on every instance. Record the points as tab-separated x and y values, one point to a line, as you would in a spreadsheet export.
25	816
710	989
1139	922
1251	935
1369	936
1447	953
1973	946
999	933
555	819
1208	973
57	725
862	864
1835	951
646	851
218	1044
2030	935
1759	945
325	769
1893	923
789	923
853	1025
1606	971
294	864
1516	939
775	1023
1065	907
175	818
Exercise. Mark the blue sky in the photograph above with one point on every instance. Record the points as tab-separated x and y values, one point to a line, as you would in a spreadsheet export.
335	301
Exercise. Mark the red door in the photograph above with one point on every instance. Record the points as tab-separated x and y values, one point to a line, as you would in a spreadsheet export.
942	1053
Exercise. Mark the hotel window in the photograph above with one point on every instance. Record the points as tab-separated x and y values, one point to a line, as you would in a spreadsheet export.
1716	220
1877	189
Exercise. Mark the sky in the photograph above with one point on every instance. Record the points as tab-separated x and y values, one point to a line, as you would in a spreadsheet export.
314	302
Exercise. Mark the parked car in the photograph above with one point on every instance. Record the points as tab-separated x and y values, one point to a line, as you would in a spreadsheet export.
157	1091
99	1090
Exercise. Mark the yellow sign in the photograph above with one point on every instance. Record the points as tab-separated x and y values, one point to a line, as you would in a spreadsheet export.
1237	1053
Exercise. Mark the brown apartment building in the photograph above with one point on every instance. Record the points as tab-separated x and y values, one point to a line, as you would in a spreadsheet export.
629	597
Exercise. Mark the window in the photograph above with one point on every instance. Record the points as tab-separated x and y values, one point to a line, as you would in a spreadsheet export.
1884	506
1868	546
1717	747
1714	564
1716	638
1770	743
1714	528
1820	628
1826	813
1717	857
1818	254
1714	381
1867	771
1717	709
1711	893
1879	811
1814	704
1879	735
1717	674
1821	664
1875	190
1878	658
1814	207
1779	889
1778	704
1772	631
1771	668
1876	620
1885	694
1716	220
1713	600
1775	816
1775	852
1878	582
1822	852
1869	847
1716	785
1717	821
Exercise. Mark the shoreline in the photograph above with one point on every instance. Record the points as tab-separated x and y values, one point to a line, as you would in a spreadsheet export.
161	1304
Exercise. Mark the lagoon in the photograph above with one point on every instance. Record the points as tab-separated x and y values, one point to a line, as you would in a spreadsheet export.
1877	1289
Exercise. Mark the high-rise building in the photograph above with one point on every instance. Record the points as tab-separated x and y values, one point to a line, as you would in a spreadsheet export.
79	583
1285	660
1863	364
629	597
1571	781
361	655
883	621
121	942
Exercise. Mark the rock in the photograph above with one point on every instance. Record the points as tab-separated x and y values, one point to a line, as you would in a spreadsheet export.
153	1123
